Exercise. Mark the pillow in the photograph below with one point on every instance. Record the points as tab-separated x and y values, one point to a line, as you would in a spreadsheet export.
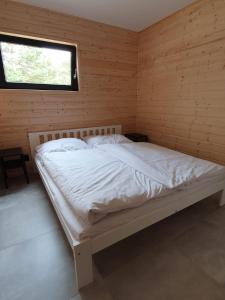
61	145
106	139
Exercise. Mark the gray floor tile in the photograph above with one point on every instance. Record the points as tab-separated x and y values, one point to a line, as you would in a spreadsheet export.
25	212
217	218
181	257
115	257
94	292
40	268
205	246
154	237
164	275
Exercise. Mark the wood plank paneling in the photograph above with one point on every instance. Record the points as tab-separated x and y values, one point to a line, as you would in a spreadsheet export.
107	71
181	81
181	78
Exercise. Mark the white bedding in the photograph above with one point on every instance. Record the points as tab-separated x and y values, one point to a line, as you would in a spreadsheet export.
111	178
93	141
81	230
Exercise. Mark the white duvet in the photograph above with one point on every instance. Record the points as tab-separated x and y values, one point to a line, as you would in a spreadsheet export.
110	178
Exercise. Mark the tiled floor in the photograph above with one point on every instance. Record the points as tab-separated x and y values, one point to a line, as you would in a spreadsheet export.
182	257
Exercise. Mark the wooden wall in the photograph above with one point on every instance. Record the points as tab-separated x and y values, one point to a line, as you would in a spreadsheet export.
181	81
108	71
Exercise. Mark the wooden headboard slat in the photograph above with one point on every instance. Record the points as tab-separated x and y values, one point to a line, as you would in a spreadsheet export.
37	138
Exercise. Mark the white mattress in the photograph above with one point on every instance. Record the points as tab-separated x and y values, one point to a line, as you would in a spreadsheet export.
81	230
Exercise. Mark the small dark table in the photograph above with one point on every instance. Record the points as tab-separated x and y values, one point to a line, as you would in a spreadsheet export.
137	137
12	159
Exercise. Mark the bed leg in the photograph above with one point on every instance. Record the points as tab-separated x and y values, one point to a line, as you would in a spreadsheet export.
83	264
222	198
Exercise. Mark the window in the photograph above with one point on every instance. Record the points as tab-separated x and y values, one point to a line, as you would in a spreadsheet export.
35	64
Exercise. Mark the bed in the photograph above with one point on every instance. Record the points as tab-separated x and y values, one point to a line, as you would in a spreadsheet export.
153	183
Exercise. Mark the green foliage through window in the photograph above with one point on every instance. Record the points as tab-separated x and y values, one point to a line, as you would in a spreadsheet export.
36	65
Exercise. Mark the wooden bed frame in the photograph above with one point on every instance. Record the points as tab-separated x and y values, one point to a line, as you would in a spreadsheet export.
83	250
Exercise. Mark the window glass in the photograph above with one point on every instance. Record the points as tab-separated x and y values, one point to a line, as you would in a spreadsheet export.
26	63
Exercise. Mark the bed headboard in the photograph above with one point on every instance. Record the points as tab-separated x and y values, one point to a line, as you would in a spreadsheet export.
37	138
